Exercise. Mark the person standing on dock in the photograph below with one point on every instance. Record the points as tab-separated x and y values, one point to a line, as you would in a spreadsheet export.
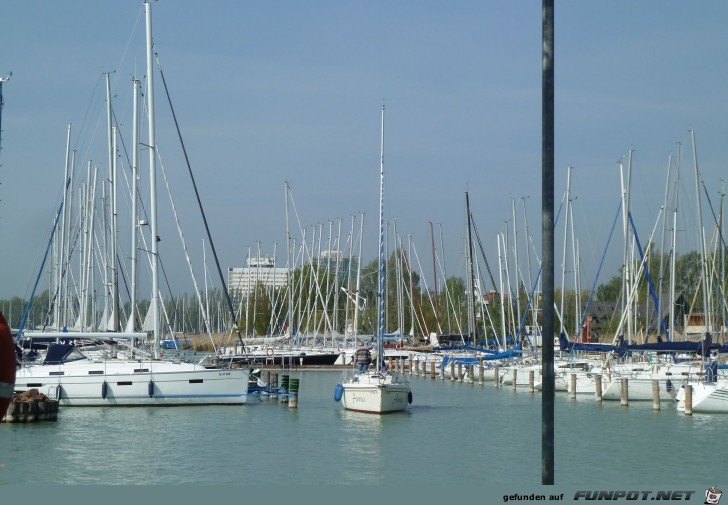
362	357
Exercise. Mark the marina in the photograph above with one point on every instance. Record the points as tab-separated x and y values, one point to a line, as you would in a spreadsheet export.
312	366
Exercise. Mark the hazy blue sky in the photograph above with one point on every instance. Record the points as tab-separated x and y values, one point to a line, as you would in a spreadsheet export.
268	92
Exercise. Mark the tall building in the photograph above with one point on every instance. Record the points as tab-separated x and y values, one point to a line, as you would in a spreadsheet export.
242	281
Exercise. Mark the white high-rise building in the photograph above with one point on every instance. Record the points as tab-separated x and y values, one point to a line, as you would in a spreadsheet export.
242	281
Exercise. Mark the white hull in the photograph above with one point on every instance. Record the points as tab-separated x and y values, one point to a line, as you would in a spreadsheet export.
134	383
708	397
375	393
639	380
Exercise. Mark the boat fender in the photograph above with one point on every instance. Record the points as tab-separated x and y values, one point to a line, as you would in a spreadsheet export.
151	389
104	390
668	385
7	366
409	397
338	392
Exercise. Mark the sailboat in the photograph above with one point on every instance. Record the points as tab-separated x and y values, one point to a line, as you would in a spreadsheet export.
109	379
378	391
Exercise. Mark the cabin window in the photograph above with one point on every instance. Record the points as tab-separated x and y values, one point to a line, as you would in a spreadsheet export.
195	381
141	370
34	385
56	373
95	372
124	383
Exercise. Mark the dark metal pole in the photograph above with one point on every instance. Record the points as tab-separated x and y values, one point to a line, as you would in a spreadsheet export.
547	230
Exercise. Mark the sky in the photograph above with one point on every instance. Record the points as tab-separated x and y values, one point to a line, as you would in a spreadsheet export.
269	92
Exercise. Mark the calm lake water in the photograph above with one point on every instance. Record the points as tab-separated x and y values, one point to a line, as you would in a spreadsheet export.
452	433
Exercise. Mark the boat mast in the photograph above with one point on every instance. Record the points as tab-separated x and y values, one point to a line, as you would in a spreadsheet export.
134	211
471	279
152	180
358	279
380	298
674	252
60	298
115	309
701	231
289	270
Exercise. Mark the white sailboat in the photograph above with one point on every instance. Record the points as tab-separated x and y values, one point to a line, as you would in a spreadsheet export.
379	391
75	378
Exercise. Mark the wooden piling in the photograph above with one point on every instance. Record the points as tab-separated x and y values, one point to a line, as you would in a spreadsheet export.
452	371
460	372
390	364
531	375
624	382
656	395
598	387
480	371
496	370
273	386
688	400
572	384
432	369
515	377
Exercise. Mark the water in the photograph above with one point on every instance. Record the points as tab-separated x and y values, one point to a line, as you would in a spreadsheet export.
452	433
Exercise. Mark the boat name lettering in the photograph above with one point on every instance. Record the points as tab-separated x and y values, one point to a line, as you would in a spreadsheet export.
223	373
358	399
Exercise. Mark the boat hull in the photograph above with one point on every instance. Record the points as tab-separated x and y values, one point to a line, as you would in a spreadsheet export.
708	397
371	394
135	383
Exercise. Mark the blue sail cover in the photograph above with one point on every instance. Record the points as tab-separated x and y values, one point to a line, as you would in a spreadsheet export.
566	346
514	352
702	348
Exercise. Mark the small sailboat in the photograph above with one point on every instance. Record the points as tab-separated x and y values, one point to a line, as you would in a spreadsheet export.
378	391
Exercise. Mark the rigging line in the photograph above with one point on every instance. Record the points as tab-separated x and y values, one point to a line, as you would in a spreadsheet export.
601	263
42	266
88	108
715	218
647	270
205	314
482	252
202	211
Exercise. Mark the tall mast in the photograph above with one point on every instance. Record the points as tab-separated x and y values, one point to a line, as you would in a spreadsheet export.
566	235
674	243
152	181
358	279
289	271
471	278
114	236
380	298
62	253
703	253
134	210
